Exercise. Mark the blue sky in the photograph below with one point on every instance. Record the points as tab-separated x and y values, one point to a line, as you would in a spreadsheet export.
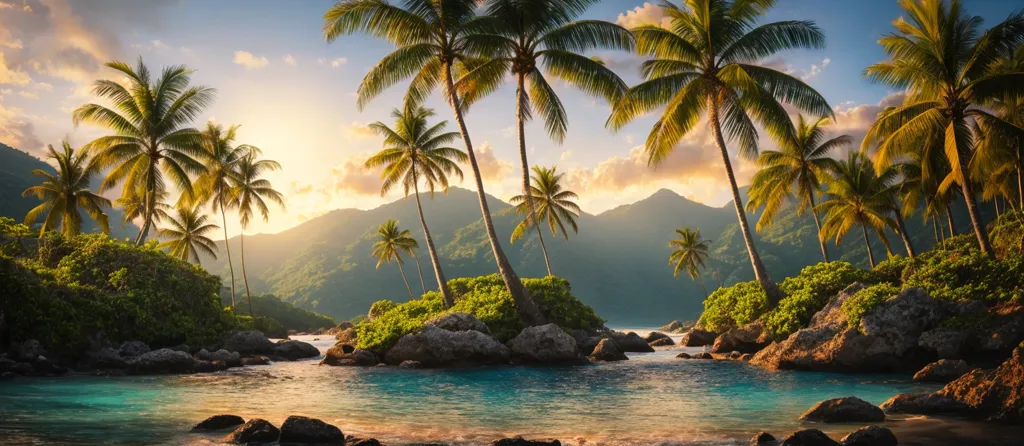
301	111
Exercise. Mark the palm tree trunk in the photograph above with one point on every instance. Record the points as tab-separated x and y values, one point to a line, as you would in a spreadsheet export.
701	281
867	242
419	269
817	224
528	310
1020	179
949	220
227	249
245	278
980	232
404	279
935	227
520	123
760	273
438	274
902	227
148	222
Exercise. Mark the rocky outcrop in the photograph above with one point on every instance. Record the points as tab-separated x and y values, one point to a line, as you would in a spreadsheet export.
924	404
102	359
159	362
809	437
844	410
255	431
294	350
654	336
870	436
749	338
946	343
434	347
298	429
676	327
248	343
459	322
342	354
347	335
607	350
27	351
520	441
697	338
218	422
943	371
630	342
133	349
663	342
544	344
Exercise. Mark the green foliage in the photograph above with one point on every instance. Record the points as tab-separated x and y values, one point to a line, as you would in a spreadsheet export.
268	326
866	300
1008	235
380	307
963	274
732	306
484	297
891	270
283	314
808	293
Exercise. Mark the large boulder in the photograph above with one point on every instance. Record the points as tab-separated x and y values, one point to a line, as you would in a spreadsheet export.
809	437
697	338
844	410
662	342
348	335
520	441
163	361
298	429
676	327
459	322
103	359
232	359
27	351
435	347
750	338
763	439
654	336
544	344
293	350
248	343
870	436
923	404
943	371
630	342
218	422
607	350
342	354
254	431
133	349
992	395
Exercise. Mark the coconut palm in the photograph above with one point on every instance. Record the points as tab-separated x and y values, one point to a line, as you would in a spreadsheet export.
434	39
890	181
133	206
705	63
250	194
794	172
855	197
186	236
531	34
999	164
416	152
939	55
689	251
152	141
66	192
390	246
551	204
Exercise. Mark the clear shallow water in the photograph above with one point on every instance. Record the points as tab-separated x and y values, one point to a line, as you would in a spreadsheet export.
651	399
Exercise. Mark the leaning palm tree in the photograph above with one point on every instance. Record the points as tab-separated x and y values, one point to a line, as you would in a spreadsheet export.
434	40
942	59
66	192
133	206
186	236
550	203
705	63
794	171
689	251
415	152
250	193
390	246
152	140
855	197
528	35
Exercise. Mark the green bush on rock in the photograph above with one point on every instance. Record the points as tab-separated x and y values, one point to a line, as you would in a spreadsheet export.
732	306
966	274
866	300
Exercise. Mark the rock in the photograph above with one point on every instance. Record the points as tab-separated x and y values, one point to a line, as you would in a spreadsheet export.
103	359
232	359
181	348
946	343
544	344
870	436
746	357
202	355
520	441
133	349
749	338
654	336
27	351
607	350
923	404
943	371
734	355
459	322
844	410
589	344
697	338
218	422
408	364
201	366
1008	331
297	429
992	395
294	350
673	327
683	355
703	355
248	343
662	342
809	437
8	376
762	439
255	431
630	342
434	347
342	354
45	367
23	368
161	361
255	360
347	335
352	441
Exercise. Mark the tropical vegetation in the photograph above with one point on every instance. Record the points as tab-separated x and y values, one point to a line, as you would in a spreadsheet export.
391	244
547	202
856	197
689	253
250	193
186	235
66	193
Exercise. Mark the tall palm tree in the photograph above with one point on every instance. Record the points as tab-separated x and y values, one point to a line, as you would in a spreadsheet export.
434	39
890	181
186	236
133	206
705	63
152	141
390	246
942	59
250	194
794	171
416	151
1001	154
66	192
532	34
550	203
689	251
855	197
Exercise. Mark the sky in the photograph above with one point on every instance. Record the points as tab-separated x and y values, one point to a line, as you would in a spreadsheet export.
294	94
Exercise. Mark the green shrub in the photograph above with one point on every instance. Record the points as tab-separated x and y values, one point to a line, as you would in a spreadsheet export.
379	307
1008	234
268	326
866	300
808	293
732	306
966	274
286	315
891	270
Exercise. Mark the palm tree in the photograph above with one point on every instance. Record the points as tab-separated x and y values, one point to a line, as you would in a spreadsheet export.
794	171
689	251
855	197
250	194
532	34
891	183
393	242
550	203
705	63
416	151
151	141
67	191
434	38
216	183
133	206
186	235
999	164
943	61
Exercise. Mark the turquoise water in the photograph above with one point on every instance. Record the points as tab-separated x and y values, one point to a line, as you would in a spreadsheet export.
650	399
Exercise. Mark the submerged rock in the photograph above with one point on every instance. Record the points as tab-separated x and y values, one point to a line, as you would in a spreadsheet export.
544	344
697	338
943	371
684	355
763	439
342	354
870	436
255	360
434	347
459	322
703	355
520	441
630	342
298	429
293	350
254	431
218	422
163	361
607	350
410	365
844	410
809	437
248	343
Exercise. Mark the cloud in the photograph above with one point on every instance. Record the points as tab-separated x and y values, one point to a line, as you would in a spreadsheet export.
856	120
333	63
14	44
28	94
289	60
9	75
491	167
816	70
353	177
648	14
43	86
358	130
565	155
17	131
249	61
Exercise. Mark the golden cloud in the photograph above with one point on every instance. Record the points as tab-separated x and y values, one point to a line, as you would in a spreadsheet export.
491	167
647	14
